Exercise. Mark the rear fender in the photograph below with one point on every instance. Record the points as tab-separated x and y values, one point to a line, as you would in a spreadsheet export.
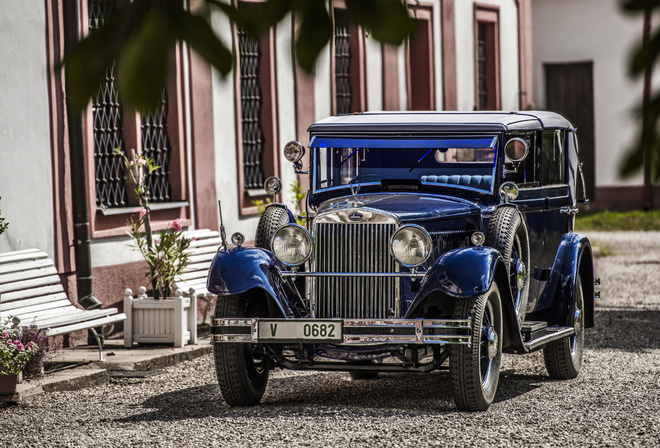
465	272
241	269
574	257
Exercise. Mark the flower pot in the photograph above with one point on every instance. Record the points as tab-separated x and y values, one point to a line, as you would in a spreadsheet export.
172	320
8	384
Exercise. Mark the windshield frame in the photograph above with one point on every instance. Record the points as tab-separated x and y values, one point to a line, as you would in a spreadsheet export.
418	142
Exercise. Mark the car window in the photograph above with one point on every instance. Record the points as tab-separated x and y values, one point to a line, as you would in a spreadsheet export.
553	157
457	162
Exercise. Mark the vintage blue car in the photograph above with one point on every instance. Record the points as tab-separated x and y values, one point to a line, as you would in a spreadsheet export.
433	240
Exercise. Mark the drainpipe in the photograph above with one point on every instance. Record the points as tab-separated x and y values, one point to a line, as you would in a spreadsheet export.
80	209
647	137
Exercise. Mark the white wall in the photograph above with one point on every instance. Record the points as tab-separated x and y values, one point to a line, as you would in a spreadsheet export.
26	180
594	30
465	57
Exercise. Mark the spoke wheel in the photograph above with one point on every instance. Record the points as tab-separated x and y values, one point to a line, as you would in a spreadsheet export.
475	370
507	233
563	358
241	368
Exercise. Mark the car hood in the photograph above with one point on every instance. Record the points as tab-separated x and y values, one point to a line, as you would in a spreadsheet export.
408	206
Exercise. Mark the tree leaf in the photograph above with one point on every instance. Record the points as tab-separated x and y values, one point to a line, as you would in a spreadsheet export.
387	20
645	55
314	32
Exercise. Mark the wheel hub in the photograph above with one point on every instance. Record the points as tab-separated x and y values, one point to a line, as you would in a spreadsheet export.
493	342
521	274
577	317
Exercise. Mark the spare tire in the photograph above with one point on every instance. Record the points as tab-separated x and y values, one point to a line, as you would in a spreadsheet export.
507	233
274	217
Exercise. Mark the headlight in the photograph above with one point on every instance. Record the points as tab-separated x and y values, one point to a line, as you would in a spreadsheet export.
293	151
411	245
292	244
273	185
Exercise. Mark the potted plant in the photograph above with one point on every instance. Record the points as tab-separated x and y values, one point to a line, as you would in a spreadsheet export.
165	317
14	357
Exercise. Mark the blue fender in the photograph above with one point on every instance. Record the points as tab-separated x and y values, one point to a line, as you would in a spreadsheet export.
574	256
242	269
461	273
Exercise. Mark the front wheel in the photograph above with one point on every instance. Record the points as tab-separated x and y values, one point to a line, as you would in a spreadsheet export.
241	368
563	358
475	370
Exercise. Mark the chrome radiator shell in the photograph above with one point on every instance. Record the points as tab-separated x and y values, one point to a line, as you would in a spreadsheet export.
354	240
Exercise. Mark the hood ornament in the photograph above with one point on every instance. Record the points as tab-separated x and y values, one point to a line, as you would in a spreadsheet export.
355	189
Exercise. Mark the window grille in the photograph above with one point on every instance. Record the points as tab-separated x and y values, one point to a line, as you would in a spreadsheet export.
342	63
482	67
251	102
107	124
156	146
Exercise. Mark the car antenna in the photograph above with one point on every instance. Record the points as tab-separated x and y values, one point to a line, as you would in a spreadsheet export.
221	227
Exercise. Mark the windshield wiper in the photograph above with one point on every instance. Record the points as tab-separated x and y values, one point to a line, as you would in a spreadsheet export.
420	160
351	155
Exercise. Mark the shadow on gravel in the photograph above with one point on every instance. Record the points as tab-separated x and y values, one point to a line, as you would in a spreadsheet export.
316	394
624	329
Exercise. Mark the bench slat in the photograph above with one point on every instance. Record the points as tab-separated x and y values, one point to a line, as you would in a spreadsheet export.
26	266
30	284
27	274
36	310
31	293
87	325
22	255
72	318
17	304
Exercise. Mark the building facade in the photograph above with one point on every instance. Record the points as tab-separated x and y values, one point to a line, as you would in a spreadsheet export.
218	139
582	53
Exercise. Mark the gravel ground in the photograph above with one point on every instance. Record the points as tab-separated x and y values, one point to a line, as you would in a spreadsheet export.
615	401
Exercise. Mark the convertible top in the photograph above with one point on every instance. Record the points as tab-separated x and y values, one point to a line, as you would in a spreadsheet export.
441	121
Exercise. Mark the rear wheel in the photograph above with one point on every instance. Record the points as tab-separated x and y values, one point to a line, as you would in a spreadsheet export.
270	221
242	369
507	233
475	370
563	358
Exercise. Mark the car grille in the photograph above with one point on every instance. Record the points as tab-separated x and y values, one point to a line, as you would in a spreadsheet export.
354	247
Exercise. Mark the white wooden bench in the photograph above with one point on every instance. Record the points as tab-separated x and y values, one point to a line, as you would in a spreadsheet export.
31	294
201	253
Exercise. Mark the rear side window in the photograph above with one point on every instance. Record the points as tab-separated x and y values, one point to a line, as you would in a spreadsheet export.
553	157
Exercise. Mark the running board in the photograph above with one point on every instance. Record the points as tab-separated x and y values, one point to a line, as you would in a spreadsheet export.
550	334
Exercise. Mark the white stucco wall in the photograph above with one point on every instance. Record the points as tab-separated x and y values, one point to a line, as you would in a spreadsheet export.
465	57
594	30
25	151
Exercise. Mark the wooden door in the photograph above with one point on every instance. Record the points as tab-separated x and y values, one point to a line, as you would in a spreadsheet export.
569	90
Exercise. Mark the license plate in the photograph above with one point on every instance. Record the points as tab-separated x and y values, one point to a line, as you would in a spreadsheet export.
317	330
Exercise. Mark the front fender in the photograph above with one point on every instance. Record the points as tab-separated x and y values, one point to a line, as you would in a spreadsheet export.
241	269
574	256
460	273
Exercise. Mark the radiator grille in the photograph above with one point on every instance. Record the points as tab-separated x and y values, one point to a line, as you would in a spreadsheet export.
354	247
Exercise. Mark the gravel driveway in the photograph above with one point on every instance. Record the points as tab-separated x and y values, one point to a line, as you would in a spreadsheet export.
615	401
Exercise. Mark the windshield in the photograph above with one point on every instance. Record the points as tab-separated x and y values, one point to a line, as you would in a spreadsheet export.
466	162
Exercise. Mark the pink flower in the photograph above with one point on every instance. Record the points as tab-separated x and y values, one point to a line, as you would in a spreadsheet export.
5	334
31	345
176	225
141	210
19	345
142	161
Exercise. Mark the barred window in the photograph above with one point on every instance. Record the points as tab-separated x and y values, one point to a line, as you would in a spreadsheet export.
156	146
107	124
249	49
342	62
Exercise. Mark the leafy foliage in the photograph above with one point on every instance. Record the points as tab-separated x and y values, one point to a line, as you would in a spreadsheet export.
14	356
167	255
141	35
3	224
645	57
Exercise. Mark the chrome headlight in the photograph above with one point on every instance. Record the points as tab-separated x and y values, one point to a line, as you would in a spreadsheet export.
411	245
292	244
273	185
294	151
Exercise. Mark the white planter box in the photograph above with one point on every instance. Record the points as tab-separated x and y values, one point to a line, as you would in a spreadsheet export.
168	321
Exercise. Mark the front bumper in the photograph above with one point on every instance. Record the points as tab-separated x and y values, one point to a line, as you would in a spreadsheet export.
349	332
